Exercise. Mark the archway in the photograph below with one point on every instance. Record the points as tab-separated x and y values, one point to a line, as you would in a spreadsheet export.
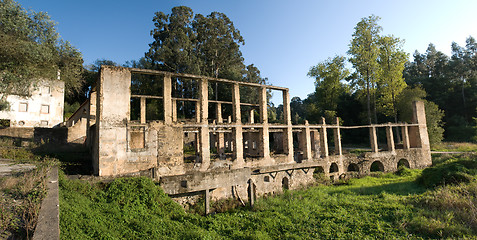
285	184
334	168
403	162
353	167
377	166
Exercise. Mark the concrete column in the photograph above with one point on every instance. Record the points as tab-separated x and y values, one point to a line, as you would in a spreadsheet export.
405	137
251	191
167	97
287	132
174	110
337	137
204	129
220	135
315	146
143	110
373	138
197	111
323	139
264	146
306	142
390	138
419	117
237	130
207	201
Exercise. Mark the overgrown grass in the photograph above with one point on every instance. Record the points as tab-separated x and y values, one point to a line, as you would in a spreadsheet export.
21	193
386	206
455	147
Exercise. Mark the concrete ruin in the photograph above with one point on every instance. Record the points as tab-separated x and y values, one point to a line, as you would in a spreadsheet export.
223	156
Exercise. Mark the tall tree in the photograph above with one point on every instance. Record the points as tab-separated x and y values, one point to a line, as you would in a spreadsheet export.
173	48
31	49
218	45
329	75
391	82
364	51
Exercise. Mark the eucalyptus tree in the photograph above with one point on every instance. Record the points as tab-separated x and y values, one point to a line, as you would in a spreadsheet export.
329	75
392	60
31	49
364	51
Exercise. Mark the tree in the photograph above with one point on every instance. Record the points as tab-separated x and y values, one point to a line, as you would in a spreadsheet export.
364	51
218	45
31	49
328	76
173	48
434	115
391	83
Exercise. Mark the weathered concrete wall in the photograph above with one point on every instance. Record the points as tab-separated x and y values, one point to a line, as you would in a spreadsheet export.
44	108
254	156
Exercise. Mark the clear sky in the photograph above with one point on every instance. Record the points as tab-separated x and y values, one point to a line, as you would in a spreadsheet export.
282	38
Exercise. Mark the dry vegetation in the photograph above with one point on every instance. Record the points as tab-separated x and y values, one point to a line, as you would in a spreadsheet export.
21	192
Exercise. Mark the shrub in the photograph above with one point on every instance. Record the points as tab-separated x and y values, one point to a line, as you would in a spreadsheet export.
449	172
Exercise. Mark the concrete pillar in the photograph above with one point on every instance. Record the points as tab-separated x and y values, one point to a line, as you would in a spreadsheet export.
405	137
197	111
251	193
390	138
167	97
143	110
237	130
306	142
112	114
174	110
373	138
264	146
287	132
207	201
323	139
419	117
315	146
252	117
220	135
337	137
204	129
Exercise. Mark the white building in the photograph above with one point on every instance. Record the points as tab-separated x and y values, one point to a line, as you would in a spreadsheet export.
44	108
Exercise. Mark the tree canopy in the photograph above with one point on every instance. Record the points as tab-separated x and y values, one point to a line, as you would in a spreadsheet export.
31	49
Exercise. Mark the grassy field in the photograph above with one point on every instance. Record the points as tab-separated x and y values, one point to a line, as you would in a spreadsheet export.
385	206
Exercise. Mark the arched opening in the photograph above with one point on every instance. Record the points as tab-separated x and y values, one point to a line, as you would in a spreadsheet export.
377	166
353	167
285	184
333	168
403	162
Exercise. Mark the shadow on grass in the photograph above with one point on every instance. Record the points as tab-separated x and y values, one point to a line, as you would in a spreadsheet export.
399	188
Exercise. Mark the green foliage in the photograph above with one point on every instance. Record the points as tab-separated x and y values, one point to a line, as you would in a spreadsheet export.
30	49
328	76
70	109
364	51
434	115
452	171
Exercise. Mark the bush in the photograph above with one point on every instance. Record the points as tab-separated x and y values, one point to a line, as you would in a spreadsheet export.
450	172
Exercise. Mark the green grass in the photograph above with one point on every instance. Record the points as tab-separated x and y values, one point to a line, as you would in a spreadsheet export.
455	147
385	206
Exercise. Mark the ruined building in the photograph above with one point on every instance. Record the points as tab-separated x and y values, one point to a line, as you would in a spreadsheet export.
43	107
226	156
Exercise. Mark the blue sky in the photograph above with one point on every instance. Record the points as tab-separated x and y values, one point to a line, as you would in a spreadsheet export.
282	38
